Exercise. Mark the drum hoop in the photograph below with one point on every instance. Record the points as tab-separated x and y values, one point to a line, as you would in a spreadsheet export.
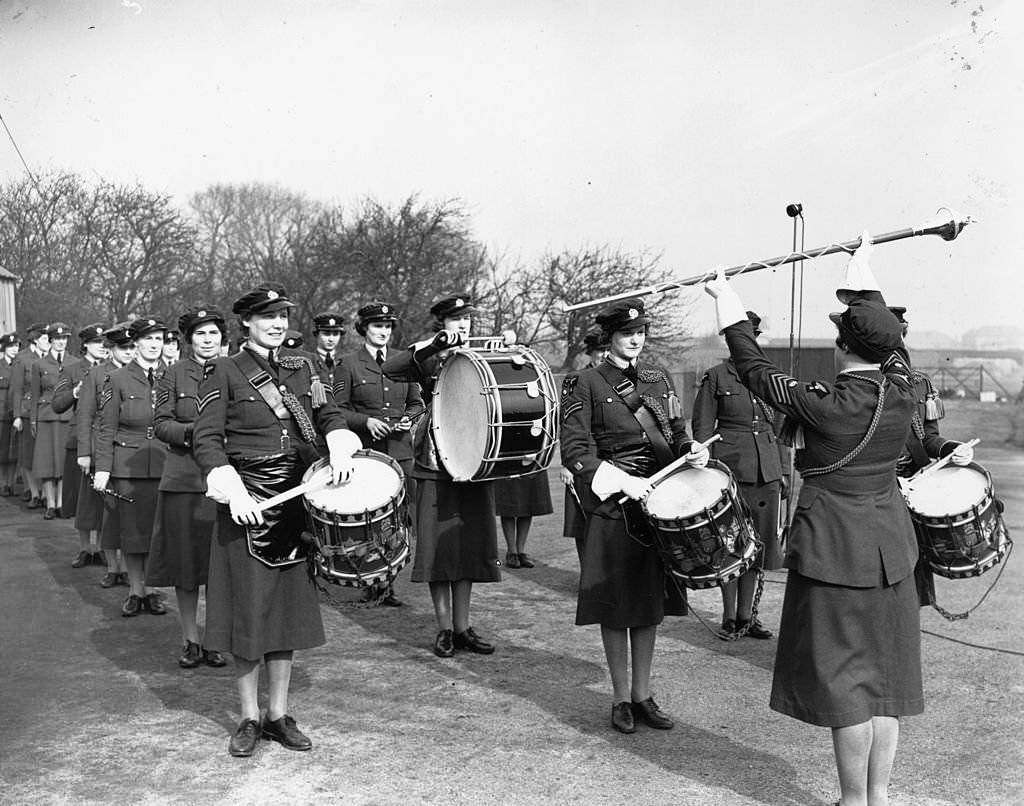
727	493
355	518
982	504
487	381
721	575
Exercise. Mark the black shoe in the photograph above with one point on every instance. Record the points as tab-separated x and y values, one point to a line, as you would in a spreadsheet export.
443	646
283	730
622	718
81	560
243	743
512	560
649	712
754	629
27	496
98	558
191	655
211	657
473	642
525	561
122	579
727	632
109	580
35	503
154	605
390	600
6	492
50	514
132	606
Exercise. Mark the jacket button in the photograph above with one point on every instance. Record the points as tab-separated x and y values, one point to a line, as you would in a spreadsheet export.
609	400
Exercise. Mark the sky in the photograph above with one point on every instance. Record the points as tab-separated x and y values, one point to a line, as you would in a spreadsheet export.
673	128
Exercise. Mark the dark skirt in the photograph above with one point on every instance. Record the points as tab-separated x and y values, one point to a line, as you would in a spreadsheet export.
456	535
179	554
27	446
573	520
72	479
89	512
848	654
763	502
9	442
129	526
253	609
48	453
623	583
523	497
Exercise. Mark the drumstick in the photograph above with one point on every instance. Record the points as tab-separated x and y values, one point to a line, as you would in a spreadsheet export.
311	486
673	466
945	460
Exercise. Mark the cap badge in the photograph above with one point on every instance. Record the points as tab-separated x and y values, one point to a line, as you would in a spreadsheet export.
150	321
459	303
383	308
271	295
633	313
331	321
201	313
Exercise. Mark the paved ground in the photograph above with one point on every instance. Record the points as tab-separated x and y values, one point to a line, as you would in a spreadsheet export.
96	711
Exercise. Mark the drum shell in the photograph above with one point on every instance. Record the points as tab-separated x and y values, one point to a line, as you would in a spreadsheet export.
360	548
711	546
512	396
965	543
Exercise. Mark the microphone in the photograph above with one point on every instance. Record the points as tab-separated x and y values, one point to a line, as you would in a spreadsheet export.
793	210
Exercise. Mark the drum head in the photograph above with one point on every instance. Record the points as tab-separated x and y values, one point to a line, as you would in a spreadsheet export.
374	483
460	416
950	490
687	492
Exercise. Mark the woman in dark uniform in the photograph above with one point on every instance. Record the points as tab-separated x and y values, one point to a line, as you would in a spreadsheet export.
9	348
180	550
38	346
849	654
621	422
380	410
751	450
573	520
456	538
76	483
516	503
128	452
259	413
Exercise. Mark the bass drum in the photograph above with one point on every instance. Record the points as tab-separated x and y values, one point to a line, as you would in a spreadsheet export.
495	414
700	526
360	529
960	528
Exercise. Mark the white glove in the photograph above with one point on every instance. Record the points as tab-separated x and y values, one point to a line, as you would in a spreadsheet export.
225	486
698	458
100	479
728	306
84	463
341	445
859	276
963	455
636	487
565	476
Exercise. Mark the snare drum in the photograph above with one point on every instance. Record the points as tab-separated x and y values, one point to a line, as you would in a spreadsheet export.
700	526
495	414
361	528
959	528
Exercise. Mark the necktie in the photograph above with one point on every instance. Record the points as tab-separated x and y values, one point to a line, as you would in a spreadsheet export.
380	357
60	360
630	372
329	361
149	375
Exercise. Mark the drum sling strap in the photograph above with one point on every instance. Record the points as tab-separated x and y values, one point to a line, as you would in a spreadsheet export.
282	402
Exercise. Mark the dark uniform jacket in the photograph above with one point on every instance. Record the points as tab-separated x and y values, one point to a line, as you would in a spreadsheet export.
176	408
233	420
851	526
126	445
598	425
362	391
6	377
64	399
746	424
45	376
329	371
925	442
87	411
21	382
